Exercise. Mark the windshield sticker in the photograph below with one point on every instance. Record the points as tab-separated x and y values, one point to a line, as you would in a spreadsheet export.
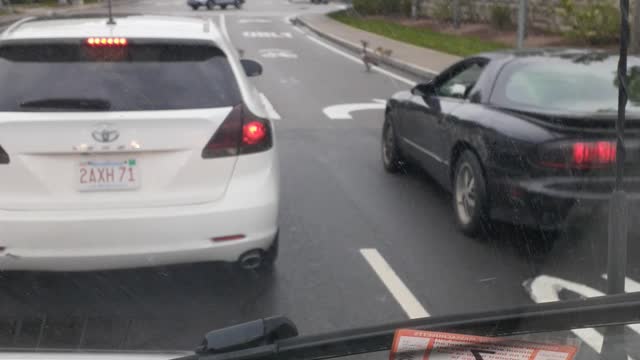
424	345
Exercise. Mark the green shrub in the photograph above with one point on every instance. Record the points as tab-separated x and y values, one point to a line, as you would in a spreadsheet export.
443	11
501	17
366	7
596	23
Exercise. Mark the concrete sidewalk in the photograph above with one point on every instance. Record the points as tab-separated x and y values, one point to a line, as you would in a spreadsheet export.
416	60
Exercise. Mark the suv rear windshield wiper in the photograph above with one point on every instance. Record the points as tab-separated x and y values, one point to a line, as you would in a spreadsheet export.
67	104
276	338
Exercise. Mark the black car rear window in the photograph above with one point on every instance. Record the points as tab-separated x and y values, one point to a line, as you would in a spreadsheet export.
575	84
139	76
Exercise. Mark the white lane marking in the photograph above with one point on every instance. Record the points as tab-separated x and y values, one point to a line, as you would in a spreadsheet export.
343	111
545	288
396	287
298	30
277	53
254	21
271	111
223	26
267	34
630	285
359	61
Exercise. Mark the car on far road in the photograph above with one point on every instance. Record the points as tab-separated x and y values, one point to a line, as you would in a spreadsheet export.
526	137
210	4
120	161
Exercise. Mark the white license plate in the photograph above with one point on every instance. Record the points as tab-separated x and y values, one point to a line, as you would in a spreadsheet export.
100	175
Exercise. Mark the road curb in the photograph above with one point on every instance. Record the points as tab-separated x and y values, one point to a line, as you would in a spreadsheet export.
391	62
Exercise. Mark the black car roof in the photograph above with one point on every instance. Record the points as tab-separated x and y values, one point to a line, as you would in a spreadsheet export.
565	53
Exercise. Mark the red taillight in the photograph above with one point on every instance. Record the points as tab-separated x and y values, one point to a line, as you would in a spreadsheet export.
586	154
107	42
578	155
253	133
4	157
240	133
226	141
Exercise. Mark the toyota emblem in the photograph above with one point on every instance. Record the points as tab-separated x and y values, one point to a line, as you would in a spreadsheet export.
105	133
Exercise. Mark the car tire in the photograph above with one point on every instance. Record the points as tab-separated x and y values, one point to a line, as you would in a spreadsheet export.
238	4
195	7
210	5
470	203
391	157
223	6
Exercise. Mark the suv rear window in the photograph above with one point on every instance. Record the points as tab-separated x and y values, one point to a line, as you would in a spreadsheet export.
139	76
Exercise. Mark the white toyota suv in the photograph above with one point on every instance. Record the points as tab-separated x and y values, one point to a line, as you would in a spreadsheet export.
138	143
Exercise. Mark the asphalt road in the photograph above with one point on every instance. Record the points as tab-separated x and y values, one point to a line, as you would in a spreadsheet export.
358	246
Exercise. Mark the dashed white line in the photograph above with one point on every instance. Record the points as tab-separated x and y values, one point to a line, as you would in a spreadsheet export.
355	59
271	111
394	284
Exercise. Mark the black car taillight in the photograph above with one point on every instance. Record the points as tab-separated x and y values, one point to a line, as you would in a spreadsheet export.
4	157
580	155
240	133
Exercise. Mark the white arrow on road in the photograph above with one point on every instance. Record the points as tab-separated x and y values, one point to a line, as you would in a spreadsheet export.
277	53
343	111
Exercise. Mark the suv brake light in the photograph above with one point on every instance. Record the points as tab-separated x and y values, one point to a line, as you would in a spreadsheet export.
107	42
240	133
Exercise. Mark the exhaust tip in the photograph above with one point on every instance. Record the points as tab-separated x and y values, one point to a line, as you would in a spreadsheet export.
251	260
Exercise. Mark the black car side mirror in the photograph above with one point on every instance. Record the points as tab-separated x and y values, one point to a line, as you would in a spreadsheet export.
424	90
246	335
251	67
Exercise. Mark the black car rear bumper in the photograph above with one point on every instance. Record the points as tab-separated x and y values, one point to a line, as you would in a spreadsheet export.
550	202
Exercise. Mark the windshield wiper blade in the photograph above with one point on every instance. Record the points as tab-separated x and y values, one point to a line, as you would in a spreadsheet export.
547	317
67	104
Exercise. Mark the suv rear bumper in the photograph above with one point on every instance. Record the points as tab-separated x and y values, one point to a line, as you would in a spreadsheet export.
80	240
75	242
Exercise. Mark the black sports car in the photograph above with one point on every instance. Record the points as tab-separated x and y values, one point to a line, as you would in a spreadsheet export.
525	136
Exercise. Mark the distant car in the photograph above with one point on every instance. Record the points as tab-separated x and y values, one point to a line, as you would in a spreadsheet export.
319	1
521	136
210	4
119	161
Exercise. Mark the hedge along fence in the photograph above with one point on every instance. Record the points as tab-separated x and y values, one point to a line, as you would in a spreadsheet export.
383	7
543	14
594	22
